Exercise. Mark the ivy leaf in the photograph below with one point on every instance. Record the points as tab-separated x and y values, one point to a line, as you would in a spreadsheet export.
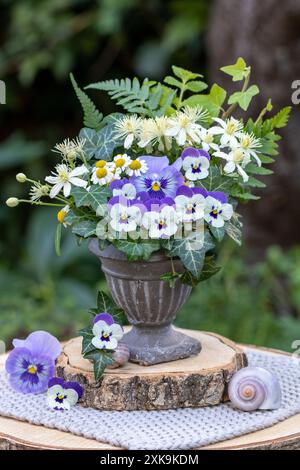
237	71
243	98
101	359
137	250
91	116
87	345
209	269
212	102
85	229
192	252
216	181
106	304
96	197
233	229
217	232
99	144
185	75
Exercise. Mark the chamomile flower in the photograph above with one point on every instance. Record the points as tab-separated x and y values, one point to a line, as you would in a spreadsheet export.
70	149
62	214
137	167
184	125
249	143
228	130
121	162
236	159
103	172
38	190
153	132
127	128
64	178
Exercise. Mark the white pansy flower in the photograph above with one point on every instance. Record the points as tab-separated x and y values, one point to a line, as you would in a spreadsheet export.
127	191
127	128
61	398
162	223
137	167
228	130
217	212
153	131
106	336
196	168
184	127
124	218
64	178
249	143
236	160
191	208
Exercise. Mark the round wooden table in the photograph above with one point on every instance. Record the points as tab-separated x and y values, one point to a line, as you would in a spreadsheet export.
22	436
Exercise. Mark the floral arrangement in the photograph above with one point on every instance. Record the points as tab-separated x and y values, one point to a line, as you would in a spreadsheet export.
168	173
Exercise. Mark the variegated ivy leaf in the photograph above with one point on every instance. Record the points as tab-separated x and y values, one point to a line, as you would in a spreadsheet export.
215	181
191	250
99	144
137	250
95	197
85	229
101	359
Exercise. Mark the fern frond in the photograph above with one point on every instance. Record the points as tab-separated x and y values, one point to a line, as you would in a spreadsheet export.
281	118
91	116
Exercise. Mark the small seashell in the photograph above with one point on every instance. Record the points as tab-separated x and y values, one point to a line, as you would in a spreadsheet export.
120	356
254	388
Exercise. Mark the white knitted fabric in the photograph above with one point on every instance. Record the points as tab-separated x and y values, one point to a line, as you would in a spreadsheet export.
185	428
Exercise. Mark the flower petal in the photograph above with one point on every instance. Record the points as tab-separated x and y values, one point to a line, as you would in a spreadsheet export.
40	342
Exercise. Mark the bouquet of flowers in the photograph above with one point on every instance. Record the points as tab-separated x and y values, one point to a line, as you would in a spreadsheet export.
165	174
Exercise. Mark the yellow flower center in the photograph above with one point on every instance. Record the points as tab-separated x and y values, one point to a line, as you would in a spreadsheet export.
230	128
155	186
101	172
195	166
32	369
120	162
238	155
61	216
215	211
105	335
245	142
135	165
123	217
208	139
100	164
64	175
60	396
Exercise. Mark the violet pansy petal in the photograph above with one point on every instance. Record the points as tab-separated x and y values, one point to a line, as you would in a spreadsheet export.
184	191
177	164
118	184
118	200
56	381
203	153
41	342
201	191
75	386
190	152
167	201
155	164
219	195
106	317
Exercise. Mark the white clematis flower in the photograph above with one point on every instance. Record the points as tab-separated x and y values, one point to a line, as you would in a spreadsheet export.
162	223
207	140
127	128
124	218
236	159
228	130
64	178
184	127
216	212
249	143
106	336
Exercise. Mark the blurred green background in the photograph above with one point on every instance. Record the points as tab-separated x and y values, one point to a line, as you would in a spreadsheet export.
256	296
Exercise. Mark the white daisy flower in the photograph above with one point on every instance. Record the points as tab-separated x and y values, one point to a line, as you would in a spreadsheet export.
153	132
183	126
196	168
228	130
127	128
103	173
249	143
124	218
137	167
191	208
236	159
106	336
162	223
217	212
38	190
207	140
64	178
121	162
62	214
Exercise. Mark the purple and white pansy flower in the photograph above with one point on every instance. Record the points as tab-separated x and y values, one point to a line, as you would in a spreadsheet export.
161	179
63	395
161	219
217	211
31	364
190	203
123	188
125	216
195	163
106	332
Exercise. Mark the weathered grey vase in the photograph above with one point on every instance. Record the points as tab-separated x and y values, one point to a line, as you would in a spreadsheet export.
150	305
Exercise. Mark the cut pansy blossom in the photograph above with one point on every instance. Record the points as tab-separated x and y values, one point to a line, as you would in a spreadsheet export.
195	163
217	211
63	395
64	177
106	332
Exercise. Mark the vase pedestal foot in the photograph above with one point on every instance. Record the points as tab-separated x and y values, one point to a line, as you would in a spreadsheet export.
153	345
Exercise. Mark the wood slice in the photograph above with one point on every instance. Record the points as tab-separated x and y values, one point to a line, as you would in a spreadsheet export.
24	436
196	381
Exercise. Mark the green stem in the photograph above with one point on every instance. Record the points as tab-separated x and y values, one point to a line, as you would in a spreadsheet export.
182	90
39	203
233	107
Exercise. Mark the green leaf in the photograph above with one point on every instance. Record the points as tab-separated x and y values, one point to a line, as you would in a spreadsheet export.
191	250
137	250
212	102
87	345
209	269
101	359
217	232
173	81
99	144
184	75
196	86
243	98
215	181
237	71
58	239
233	229
171	278
106	304
91	116
281	118
96	197
85	229
255	183
258	170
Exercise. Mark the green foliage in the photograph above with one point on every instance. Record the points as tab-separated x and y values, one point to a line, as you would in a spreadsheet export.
99	144
92	118
16	150
137	250
238	71
212	101
215	181
94	198
58	239
243	98
281	118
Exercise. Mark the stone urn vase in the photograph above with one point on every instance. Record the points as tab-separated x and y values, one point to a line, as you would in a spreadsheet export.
150	305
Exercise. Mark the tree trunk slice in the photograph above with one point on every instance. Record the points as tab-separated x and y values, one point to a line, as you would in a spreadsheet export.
196	381
18	435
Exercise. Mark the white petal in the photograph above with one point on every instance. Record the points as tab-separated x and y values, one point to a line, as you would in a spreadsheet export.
56	189
128	141
72	396
227	211
67	189
113	343
53	179
80	170
98	343
181	138
216	130
99	326
242	173
78	182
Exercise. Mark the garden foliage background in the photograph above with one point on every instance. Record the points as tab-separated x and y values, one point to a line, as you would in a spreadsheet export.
256	296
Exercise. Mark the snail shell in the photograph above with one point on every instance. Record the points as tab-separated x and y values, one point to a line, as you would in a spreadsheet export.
120	356
254	388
